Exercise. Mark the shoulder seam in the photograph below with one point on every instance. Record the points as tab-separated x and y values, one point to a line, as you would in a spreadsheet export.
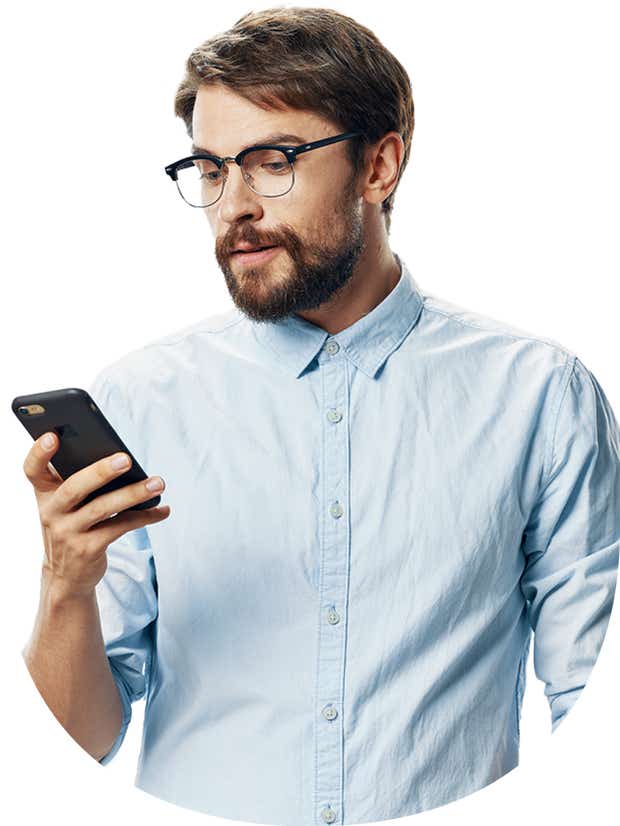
517	337
567	374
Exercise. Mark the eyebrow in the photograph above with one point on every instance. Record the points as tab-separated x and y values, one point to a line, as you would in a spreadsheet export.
276	137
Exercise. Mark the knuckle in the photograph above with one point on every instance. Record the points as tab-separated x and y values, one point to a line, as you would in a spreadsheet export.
28	469
98	512
103	470
71	493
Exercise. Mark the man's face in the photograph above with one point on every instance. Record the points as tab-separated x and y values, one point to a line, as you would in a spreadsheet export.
317	225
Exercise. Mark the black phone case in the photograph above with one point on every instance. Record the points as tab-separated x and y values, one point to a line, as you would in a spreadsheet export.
85	437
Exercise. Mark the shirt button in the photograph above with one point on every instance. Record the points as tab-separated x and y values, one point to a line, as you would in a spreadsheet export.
330	713
336	510
333	617
328	815
334	415
332	347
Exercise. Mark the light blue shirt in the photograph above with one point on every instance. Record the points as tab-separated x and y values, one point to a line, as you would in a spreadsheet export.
333	624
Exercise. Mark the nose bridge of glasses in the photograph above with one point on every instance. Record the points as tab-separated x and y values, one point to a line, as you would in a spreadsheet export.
232	159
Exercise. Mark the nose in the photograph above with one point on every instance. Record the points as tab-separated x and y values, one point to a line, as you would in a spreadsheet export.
237	198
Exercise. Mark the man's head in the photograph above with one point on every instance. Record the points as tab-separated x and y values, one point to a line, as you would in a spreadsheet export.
314	73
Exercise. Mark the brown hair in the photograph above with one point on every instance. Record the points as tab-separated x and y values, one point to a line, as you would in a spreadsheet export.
312	59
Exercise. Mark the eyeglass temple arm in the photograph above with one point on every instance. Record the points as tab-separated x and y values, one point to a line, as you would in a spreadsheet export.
306	147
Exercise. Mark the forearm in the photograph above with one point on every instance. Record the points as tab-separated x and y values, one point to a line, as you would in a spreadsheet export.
67	661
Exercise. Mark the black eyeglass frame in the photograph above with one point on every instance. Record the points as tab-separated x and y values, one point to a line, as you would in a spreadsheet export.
290	152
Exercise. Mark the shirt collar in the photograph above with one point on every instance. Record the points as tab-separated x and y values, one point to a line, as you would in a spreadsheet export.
367	343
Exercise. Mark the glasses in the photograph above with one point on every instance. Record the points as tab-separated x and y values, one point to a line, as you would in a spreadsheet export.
267	169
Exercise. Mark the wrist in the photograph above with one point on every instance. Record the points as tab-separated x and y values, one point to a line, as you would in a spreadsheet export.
56	591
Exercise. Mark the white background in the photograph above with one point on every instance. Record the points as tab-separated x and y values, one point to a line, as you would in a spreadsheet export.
509	207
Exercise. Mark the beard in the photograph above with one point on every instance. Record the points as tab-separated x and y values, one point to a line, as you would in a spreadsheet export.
318	273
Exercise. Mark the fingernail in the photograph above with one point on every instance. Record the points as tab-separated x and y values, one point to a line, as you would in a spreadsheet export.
120	461
48	440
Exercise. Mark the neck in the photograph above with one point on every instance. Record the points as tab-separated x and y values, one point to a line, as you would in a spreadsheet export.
375	275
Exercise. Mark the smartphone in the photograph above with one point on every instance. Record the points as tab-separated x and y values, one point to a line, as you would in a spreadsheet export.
84	433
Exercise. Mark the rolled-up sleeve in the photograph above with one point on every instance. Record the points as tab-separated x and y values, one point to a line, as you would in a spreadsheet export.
127	593
127	599
572	539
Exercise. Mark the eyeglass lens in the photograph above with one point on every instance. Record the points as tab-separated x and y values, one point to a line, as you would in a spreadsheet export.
267	172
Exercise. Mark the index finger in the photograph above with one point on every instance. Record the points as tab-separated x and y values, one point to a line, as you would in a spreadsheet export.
76	487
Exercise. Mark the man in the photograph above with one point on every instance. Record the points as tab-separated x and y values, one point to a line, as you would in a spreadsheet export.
375	495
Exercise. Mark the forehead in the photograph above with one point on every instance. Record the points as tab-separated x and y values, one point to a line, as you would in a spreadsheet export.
225	122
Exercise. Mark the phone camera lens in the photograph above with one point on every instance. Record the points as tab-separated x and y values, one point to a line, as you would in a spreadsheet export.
23	410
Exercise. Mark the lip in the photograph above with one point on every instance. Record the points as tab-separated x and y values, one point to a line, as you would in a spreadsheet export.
255	257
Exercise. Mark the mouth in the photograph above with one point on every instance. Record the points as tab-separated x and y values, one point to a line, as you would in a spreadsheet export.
259	254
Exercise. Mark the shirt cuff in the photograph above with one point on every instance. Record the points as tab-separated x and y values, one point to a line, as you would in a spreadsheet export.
126	704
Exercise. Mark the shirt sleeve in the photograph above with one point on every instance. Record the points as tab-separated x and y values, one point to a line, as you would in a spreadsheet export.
127	593
572	539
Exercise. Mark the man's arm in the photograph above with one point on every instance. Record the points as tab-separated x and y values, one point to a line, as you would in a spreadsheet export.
68	663
88	654
572	539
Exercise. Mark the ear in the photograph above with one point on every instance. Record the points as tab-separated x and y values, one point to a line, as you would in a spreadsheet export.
383	161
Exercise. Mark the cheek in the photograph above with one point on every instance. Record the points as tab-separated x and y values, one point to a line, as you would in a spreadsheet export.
309	201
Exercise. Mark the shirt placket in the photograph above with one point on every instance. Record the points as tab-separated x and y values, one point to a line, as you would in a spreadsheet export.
333	586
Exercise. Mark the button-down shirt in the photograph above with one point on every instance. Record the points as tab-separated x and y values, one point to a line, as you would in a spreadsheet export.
366	530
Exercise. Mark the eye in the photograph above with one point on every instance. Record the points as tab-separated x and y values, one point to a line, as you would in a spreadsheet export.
277	166
208	170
